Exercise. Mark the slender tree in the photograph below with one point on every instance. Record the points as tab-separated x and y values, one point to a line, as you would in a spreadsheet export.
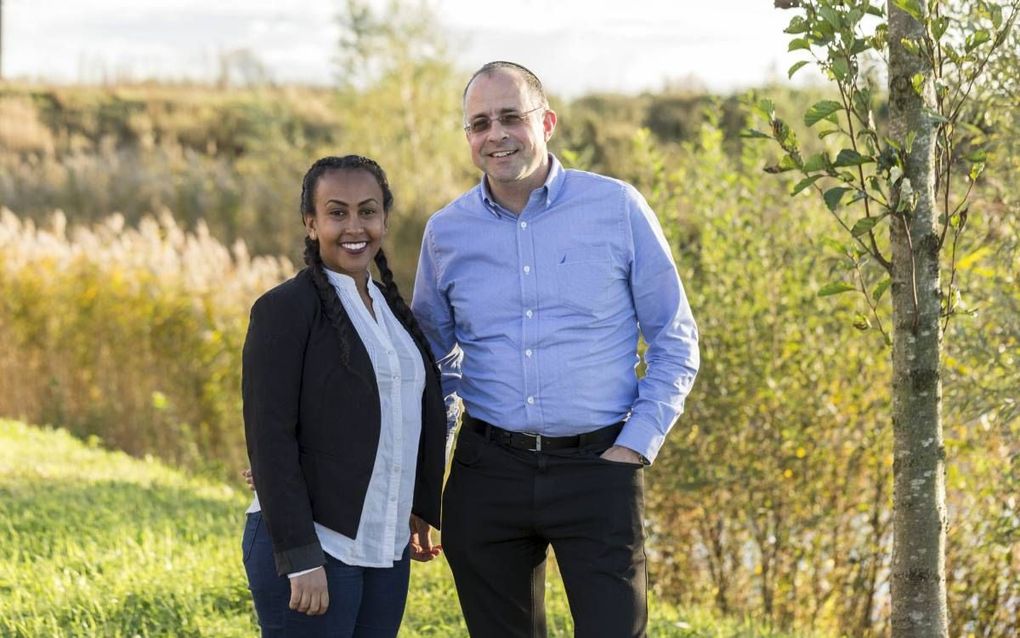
919	492
900	181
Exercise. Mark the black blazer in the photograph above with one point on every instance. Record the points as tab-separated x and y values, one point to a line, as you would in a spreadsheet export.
312	425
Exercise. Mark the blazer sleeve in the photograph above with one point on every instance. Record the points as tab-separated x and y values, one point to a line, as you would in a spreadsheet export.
272	365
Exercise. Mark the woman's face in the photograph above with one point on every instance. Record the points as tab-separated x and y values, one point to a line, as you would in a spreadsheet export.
349	220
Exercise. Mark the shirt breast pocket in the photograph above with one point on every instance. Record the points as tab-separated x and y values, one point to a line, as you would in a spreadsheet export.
583	276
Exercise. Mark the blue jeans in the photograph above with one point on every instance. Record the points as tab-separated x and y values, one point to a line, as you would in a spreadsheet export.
364	602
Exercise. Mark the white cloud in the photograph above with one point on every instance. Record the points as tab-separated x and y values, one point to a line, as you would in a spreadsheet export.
574	45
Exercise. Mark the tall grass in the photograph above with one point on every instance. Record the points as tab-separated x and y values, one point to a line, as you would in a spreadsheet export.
97	543
129	334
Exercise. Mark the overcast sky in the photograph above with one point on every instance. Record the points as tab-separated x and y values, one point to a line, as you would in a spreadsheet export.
575	46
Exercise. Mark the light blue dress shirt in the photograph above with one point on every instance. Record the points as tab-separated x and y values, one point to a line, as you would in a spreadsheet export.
534	318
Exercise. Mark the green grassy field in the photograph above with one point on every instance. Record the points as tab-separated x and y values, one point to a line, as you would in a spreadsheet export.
96	543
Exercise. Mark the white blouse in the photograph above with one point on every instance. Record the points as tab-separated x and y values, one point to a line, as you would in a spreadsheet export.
400	374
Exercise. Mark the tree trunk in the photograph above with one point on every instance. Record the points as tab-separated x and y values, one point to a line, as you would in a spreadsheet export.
919	516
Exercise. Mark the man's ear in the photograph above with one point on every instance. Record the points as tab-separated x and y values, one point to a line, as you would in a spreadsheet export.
549	123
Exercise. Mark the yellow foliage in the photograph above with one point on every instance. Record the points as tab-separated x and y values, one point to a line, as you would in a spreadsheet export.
129	334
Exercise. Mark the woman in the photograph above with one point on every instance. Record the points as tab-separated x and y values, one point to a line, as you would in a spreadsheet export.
344	423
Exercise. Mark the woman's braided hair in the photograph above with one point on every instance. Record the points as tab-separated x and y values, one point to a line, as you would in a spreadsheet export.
327	294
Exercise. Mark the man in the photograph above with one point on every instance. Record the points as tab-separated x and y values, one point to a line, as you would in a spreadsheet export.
532	288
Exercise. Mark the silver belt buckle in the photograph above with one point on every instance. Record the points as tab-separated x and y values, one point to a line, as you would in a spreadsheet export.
538	441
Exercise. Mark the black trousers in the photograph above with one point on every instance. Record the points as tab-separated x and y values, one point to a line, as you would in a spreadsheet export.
503	507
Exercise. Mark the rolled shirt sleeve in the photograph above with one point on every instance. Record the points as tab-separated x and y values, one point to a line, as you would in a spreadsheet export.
664	316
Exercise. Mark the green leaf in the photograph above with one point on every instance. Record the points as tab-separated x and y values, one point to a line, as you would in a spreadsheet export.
797	44
784	135
752	133
859	46
862	101
877	11
849	157
827	132
796	67
975	170
911	46
831	16
766	108
835	288
880	289
912	7
820	111
861	322
996	15
917	81
976	39
863	225
950	52
817	162
853	17
833	196
804	183
797	25
789	162
840	68
823	33
939	26
786	163
911	136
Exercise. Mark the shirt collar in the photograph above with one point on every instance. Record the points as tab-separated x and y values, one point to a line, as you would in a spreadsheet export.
346	282
551	187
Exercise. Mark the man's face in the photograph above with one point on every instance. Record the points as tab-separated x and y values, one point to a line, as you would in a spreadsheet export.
512	152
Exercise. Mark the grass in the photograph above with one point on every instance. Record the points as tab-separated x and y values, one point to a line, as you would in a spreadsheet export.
97	543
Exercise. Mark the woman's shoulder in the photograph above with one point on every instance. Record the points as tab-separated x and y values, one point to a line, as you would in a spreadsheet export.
297	293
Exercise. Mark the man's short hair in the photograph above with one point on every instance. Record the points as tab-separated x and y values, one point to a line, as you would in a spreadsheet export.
530	79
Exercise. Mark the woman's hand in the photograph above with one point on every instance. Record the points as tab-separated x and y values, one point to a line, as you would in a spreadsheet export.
309	593
248	479
422	548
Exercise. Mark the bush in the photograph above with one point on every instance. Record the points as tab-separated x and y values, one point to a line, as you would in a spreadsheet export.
130	335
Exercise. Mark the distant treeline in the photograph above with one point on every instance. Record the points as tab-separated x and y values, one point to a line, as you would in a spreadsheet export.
233	158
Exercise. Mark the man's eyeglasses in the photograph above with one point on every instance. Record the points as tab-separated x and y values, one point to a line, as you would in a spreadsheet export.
506	120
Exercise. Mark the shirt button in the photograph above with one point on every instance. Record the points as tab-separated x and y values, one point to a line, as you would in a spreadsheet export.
524	224
528	314
531	400
527	352
527	269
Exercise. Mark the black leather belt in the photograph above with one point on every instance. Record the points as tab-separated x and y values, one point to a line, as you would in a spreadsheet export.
540	442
